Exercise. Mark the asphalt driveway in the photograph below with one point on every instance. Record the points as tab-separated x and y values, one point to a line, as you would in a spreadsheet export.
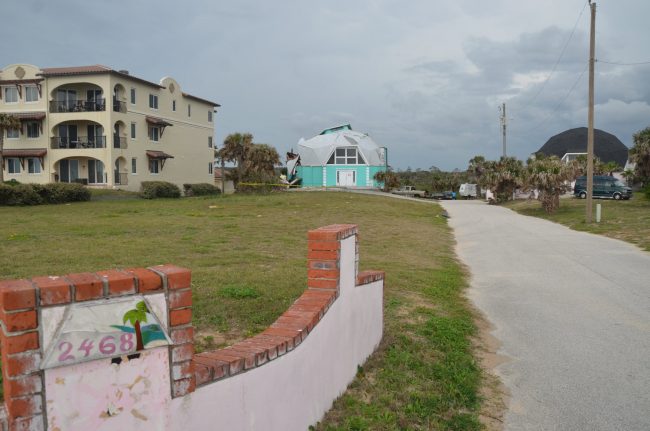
573	313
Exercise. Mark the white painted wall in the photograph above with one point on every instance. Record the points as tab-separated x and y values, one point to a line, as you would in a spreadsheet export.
295	390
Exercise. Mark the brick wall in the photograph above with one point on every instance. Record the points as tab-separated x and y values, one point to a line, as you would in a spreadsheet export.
329	278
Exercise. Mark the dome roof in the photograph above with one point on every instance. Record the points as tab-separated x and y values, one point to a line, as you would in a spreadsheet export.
607	147
317	150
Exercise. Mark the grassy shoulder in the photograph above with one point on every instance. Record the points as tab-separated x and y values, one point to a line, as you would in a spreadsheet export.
248	261
625	220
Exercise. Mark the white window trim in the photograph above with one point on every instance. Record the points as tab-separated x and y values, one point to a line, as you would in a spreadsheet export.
133	128
37	161
151	134
39	131
11	137
133	96
20	170
4	95
38	96
136	165
157	163
157	101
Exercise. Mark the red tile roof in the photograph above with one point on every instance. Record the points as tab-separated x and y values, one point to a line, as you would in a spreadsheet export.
157	121
30	152
92	70
158	155
23	116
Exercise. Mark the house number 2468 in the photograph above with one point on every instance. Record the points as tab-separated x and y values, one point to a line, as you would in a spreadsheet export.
108	345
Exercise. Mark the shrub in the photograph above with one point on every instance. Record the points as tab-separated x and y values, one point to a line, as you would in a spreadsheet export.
12	182
646	191
200	189
21	194
159	189
59	193
36	194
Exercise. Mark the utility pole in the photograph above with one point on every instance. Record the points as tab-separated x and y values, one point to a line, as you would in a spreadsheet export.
590	129
504	120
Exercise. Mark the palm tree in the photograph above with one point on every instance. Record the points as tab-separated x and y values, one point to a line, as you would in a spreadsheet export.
640	155
551	177
389	179
503	177
261	160
135	316
7	122
235	149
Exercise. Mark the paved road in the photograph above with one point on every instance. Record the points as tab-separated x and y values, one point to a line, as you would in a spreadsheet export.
573	313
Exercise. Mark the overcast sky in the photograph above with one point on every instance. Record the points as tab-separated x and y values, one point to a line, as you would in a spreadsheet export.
424	78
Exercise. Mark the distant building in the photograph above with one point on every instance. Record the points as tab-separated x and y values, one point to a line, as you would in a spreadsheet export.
572	143
104	128
338	157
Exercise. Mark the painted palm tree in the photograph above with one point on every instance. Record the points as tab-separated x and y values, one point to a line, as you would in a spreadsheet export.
7	122
135	316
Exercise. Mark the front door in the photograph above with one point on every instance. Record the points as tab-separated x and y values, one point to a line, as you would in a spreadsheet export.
346	178
68	170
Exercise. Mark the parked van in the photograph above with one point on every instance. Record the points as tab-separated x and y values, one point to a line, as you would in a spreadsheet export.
605	187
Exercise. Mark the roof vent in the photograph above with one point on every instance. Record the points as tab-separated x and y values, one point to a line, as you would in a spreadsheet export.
124	72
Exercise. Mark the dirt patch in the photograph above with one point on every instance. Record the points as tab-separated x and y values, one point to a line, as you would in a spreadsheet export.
495	395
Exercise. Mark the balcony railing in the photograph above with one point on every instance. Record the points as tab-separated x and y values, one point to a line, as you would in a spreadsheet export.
77	105
121	178
119	142
119	106
78	142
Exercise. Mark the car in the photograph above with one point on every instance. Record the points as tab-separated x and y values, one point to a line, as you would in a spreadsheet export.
605	187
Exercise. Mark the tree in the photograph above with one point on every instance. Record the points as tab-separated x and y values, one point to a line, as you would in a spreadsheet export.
388	177
640	156
135	316
503	177
7	122
600	168
253	162
551	177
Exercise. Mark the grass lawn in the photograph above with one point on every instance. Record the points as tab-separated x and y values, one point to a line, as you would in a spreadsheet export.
625	220
248	261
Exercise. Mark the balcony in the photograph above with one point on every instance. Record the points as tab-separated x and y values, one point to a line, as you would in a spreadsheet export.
119	142
78	105
121	179
119	106
59	142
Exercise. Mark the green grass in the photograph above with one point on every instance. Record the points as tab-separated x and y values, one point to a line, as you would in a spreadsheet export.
625	220
248	261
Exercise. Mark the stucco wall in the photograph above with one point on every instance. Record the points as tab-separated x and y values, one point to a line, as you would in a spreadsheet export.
312	176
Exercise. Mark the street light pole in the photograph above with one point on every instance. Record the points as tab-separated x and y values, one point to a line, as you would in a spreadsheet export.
590	130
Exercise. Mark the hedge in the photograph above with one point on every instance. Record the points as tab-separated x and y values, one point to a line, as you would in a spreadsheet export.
200	189
159	189
37	194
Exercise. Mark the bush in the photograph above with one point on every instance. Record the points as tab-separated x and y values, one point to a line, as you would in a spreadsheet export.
36	194
200	189
12	182
646	191
59	193
159	189
21	194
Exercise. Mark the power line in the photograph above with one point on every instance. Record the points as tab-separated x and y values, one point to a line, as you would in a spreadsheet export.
548	78
561	101
623	64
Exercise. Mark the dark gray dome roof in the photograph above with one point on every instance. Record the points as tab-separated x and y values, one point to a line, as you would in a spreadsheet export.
607	147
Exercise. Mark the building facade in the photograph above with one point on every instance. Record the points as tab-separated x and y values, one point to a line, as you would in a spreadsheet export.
104	128
338	157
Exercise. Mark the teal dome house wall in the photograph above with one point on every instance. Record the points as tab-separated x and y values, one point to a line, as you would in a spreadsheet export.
338	157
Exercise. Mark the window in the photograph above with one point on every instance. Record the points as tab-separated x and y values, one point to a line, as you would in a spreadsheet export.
210	167
31	93
189	110
154	166
346	156
154	134
12	133
133	96
33	130
174	105
13	165
209	141
132	130
210	116
10	94
134	166
153	101
33	165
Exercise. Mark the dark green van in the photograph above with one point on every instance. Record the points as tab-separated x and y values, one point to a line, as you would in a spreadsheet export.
605	187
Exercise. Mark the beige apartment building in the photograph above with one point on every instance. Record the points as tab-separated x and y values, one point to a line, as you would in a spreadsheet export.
103	127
